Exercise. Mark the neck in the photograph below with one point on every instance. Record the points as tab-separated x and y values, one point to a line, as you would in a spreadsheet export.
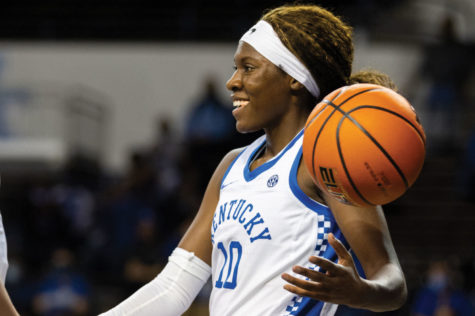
276	140
279	136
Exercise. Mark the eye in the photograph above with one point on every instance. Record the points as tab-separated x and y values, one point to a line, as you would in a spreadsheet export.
248	68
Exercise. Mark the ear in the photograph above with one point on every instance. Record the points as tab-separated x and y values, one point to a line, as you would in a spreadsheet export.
295	86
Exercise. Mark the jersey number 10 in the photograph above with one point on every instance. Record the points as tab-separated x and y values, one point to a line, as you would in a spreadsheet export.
235	252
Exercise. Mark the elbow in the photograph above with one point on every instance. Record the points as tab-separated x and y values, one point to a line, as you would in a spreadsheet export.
394	298
396	302
401	296
400	293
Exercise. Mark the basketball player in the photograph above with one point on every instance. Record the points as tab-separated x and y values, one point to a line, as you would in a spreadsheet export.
273	243
6	306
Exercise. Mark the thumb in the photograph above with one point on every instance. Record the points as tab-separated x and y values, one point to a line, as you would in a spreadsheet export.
344	256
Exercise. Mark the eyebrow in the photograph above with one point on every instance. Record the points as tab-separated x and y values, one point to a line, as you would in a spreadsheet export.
247	59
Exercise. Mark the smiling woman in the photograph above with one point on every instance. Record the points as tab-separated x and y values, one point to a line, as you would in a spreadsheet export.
274	243
266	95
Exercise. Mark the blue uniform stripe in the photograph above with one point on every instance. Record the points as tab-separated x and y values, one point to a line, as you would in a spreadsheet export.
299	194
305	305
251	175
309	307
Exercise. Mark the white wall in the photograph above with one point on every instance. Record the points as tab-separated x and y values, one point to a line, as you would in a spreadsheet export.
141	82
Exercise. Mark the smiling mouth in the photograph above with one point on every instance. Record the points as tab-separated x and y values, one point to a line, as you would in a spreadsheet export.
240	103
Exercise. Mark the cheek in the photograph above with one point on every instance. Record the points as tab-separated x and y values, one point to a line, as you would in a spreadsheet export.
274	98
268	92
271	90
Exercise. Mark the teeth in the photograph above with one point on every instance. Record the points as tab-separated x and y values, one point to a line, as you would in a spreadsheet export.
239	103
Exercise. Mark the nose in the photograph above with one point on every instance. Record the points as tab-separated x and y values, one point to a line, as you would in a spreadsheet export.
234	83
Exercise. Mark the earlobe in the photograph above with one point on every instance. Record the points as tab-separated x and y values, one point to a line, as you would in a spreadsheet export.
295	85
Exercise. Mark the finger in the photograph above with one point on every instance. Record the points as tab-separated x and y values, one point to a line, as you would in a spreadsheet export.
317	295
340	249
311	274
326	265
302	284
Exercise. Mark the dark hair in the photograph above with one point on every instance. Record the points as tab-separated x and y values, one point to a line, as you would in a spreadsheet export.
373	76
322	42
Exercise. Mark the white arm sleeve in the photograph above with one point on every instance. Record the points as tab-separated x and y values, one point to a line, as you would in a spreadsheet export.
171	292
3	253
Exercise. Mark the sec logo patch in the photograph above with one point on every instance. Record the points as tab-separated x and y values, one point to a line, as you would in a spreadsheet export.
272	181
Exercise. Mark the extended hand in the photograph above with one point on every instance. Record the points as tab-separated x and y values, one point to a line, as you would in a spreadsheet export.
340	284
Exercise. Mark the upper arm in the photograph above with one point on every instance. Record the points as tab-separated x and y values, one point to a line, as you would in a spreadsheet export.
364	228
197	238
366	231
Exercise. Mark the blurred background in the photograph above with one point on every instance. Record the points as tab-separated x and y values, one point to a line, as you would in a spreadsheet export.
114	114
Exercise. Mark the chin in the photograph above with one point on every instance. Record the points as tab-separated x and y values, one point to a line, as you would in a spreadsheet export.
243	129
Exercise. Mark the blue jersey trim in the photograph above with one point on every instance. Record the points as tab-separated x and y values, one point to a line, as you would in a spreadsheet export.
358	265
230	166
299	194
251	175
321	209
309	307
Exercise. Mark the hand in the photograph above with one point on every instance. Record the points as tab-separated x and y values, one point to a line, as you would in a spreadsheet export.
340	284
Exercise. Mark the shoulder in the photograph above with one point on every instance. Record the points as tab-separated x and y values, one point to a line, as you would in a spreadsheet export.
227	161
197	239
230	156
307	184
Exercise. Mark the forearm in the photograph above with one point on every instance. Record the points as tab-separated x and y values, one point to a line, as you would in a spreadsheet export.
171	292
386	290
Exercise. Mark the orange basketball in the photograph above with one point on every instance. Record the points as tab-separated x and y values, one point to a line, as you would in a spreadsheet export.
364	145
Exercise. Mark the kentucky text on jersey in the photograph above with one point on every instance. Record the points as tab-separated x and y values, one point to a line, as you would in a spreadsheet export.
244	213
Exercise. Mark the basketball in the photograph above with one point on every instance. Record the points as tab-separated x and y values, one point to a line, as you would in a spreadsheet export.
364	145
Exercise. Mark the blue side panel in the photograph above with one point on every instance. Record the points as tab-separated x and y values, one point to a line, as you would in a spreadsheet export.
305	305
308	307
321	209
359	268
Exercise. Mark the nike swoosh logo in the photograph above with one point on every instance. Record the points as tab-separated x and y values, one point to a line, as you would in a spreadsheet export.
225	185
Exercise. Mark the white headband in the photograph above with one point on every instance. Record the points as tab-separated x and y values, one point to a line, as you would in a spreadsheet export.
264	40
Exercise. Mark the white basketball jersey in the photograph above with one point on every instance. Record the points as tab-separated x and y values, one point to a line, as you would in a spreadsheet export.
264	224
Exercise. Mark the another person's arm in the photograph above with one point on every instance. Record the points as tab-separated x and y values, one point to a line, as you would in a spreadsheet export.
6	305
174	289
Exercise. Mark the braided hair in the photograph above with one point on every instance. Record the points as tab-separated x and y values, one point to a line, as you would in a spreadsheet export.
322	42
